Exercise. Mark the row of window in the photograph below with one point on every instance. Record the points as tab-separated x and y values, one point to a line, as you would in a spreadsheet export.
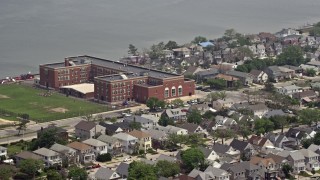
173	92
121	91
63	78
118	98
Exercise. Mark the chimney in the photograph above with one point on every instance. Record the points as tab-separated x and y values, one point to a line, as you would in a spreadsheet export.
66	62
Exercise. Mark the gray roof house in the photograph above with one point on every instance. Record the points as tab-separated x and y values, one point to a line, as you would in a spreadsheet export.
88	129
49	157
145	122
122	170
127	141
218	173
311	159
113	144
207	74
296	160
26	155
243	147
225	150
192	128
245	78
172	130
105	174
99	147
176	114
67	153
236	171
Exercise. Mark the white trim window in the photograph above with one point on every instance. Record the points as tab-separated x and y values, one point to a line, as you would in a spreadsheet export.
166	92
180	90
173	91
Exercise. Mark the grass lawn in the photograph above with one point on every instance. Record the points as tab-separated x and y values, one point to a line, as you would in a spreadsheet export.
20	99
14	149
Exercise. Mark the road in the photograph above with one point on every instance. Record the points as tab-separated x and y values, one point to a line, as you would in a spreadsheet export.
9	135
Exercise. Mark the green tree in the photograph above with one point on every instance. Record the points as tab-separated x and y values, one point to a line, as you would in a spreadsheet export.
279	122
199	39
292	55
22	126
154	103
243	52
315	31
309	116
194	139
31	166
165	121
135	125
222	134
156	51
141	170
104	157
53	175
263	125
171	45
286	169
306	143
6	172
194	116
167	168
310	72
192	158
174	139
269	87
177	102
316	139
77	173
230	33
217	83
47	139
132	50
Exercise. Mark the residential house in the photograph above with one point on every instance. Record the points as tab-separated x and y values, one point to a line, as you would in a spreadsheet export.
67	154
192	70
297	161
114	146
226	151
245	78
98	147
88	129
122	170
287	32
111	129
218	173
231	81
224	121
202	108
270	51
300	133
259	76
3	151
297	70
203	76
125	126
310	159
199	175
158	138
168	54
277	139
145	122
278	48
252	171
266	37
254	38
274	112
26	155
105	174
279	160
244	147
314	63
253	49
192	128
127	141
277	73
209	154
84	152
144	139
260	142
305	96
261	50
172	130
181	52
314	148
164	157
208	125
258	109
306	67
236	171
264	163
58	132
176	114
289	90
50	158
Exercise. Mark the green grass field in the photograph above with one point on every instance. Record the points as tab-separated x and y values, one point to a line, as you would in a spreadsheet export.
20	99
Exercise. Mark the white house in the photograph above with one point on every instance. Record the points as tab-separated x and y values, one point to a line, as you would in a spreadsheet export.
49	157
172	130
98	147
259	76
88	129
128	142
289	90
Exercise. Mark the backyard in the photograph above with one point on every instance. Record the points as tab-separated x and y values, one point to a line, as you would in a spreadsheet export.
41	105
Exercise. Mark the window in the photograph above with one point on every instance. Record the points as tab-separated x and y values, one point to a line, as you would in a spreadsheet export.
166	92
173	91
180	90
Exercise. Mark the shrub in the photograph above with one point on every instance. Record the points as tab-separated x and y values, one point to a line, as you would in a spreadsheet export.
104	157
141	151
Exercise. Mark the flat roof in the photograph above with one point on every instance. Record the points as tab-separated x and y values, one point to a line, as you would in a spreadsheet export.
82	88
137	70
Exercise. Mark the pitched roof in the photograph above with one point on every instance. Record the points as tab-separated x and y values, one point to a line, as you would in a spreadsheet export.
138	134
314	147
220	148
257	140
107	139
156	134
166	158
255	72
79	146
46	152
274	112
85	125
122	125
308	153
265	161
216	171
94	142
239	145
275	158
122	169
61	148
189	126
206	151
104	173
124	137
297	155
239	74
3	148
109	127
28	155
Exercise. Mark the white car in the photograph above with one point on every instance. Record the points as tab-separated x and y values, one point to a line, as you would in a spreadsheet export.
127	159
